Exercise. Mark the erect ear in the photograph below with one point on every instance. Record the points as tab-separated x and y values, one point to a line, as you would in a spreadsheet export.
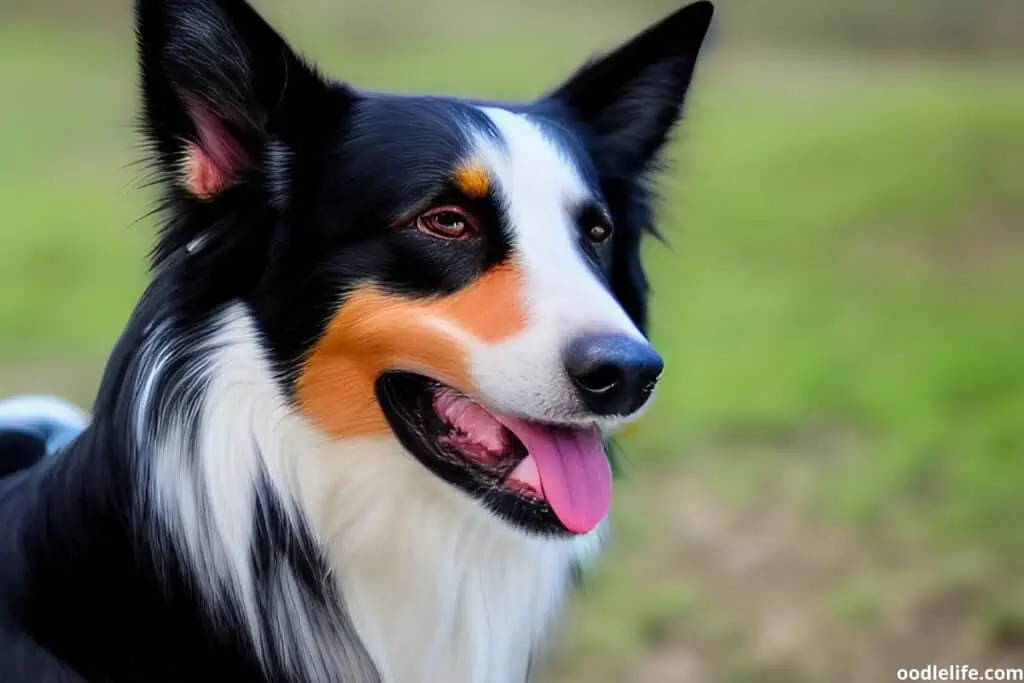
627	104
219	85
629	101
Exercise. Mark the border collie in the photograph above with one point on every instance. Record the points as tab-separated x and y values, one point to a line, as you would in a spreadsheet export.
354	430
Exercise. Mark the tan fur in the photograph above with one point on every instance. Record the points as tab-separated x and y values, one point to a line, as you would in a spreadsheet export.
472	180
374	332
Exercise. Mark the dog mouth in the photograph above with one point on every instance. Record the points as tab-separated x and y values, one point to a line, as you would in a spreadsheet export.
543	476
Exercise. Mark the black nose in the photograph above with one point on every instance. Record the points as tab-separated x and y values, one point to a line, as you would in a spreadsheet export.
613	374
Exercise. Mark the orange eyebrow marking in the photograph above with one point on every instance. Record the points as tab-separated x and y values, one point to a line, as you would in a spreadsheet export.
375	331
472	180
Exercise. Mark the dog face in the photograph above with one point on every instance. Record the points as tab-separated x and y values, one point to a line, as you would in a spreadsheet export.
463	276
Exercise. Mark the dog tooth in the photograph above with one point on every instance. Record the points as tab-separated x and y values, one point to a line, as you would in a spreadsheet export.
526	472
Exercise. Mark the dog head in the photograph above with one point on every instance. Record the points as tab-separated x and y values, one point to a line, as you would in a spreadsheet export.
462	276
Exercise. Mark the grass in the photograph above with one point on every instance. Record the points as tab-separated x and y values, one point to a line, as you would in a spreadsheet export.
806	288
846	265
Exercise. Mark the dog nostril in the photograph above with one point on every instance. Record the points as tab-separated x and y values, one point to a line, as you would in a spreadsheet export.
600	380
613	374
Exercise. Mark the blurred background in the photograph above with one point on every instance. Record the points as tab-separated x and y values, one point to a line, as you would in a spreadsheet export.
832	484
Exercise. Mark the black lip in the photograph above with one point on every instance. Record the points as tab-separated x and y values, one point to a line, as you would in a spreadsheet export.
406	400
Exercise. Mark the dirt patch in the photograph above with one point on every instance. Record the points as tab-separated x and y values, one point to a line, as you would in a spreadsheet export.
782	594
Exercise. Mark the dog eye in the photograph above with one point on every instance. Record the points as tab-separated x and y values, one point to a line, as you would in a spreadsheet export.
599	232
449	222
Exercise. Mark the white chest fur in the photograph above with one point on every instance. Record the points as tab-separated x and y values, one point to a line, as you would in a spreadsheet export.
437	588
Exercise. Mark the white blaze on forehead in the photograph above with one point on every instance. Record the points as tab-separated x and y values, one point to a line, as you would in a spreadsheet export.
542	190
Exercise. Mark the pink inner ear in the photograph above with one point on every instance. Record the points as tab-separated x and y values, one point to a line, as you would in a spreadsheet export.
214	163
202	177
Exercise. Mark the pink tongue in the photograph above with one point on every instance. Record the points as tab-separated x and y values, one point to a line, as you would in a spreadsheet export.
574	471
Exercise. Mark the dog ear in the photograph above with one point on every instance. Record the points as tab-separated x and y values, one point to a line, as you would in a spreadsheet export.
629	101
219	86
626	104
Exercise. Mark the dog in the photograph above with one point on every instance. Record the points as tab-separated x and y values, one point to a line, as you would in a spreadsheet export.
354	430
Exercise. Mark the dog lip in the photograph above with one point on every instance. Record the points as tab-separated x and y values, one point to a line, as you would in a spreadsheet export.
451	455
551	476
565	422
418	410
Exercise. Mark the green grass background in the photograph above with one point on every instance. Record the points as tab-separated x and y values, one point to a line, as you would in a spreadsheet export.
845	265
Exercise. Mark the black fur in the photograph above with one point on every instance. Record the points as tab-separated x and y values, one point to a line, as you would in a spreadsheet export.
19	450
90	589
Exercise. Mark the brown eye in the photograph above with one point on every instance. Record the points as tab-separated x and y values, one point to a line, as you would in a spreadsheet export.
598	232
449	222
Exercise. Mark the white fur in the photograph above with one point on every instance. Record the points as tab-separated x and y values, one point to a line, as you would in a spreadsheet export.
437	588
206	497
541	190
